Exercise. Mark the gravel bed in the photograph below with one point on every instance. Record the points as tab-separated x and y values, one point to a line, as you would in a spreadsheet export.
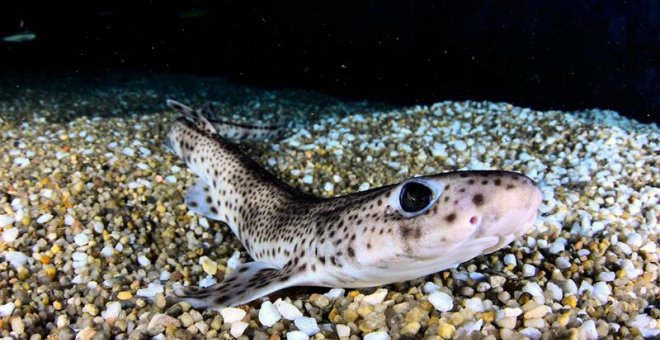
94	232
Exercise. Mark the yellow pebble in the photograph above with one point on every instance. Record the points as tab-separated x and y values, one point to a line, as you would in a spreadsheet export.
125	295
570	300
57	305
563	319
350	315
352	294
161	209
365	310
410	329
50	271
488	316
446	331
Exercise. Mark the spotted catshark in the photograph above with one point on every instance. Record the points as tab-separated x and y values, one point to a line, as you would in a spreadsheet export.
380	236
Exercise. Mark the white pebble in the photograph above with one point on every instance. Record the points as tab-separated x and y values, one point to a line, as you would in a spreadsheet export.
98	227
6	220
307	325
364	186
442	302
170	179
44	218
16	258
268	314
460	145
533	289
508	313
21	161
10	235
328	186
68	220
563	262
430	287
376	297
335	293
531	333
308	179
7	309
143	261
588	330
529	270
164	276
585	287
606	276
128	152
510	260
343	331
287	310
232	314
107	251
237	328
81	239
152	289
380	335
476	305
554	290
234	261
602	292
297	335
144	151
111	313
207	281
634	240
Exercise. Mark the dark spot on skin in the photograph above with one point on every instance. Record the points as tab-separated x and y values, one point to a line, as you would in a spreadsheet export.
193	204
450	218
510	186
462	190
470	181
368	245
484	182
478	199
498	181
446	198
209	199
351	252
407	232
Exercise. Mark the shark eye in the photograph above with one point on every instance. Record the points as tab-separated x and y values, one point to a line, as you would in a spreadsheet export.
414	197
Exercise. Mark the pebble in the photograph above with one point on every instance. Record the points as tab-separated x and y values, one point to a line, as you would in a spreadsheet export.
237	328
343	330
6	220
16	258
380	335
509	260
232	314
529	270
10	235
442	302
307	325
268	314
143	261
44	218
159	322
152	289
111	312
296	335
377	297
335	293
81	239
7	309
287	310
209	266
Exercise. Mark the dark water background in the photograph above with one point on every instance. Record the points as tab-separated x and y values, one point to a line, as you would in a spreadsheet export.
544	54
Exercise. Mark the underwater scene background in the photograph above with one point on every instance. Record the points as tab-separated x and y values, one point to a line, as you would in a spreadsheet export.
95	234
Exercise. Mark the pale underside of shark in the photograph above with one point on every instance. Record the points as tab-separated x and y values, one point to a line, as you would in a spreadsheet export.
390	234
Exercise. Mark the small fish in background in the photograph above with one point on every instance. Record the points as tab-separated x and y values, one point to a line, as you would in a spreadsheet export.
192	13
24	35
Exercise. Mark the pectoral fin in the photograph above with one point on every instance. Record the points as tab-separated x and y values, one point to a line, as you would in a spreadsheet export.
247	282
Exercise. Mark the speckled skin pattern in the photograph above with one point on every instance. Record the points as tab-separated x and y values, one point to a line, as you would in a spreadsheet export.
358	240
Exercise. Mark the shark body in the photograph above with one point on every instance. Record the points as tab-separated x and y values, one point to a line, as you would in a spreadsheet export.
389	234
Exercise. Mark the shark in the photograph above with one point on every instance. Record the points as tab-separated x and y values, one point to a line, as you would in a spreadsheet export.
376	237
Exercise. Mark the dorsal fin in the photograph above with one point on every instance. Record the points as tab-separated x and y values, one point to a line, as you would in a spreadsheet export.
242	131
194	116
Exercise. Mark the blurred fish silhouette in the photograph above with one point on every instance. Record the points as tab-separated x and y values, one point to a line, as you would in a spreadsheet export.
23	35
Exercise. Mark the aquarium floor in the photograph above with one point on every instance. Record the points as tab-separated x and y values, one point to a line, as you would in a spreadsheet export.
94	231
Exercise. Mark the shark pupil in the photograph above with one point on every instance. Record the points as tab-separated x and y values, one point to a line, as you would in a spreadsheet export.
415	197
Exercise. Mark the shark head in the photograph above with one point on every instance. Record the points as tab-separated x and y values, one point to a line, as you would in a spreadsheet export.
427	224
